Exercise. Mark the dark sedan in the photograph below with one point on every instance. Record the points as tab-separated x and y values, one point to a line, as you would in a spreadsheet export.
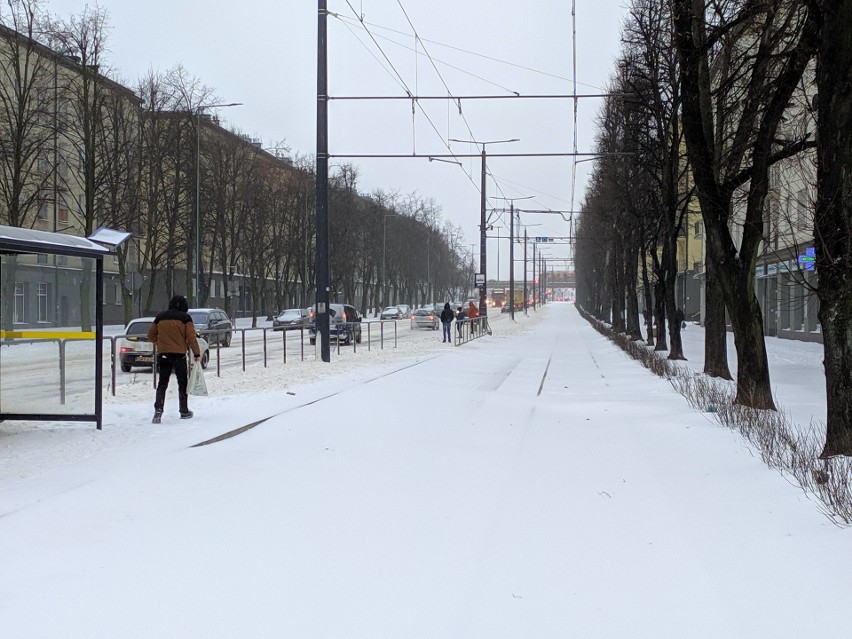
291	318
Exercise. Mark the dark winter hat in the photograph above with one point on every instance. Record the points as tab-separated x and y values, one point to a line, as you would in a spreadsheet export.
179	303
447	306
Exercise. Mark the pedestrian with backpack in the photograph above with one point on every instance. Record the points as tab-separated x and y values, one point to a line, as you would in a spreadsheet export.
173	334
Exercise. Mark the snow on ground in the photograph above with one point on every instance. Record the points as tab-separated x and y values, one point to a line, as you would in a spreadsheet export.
236	397
536	483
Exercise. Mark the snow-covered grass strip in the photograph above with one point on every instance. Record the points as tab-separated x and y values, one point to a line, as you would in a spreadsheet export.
791	448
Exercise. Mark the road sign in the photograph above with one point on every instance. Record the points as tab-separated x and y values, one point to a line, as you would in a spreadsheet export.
479	279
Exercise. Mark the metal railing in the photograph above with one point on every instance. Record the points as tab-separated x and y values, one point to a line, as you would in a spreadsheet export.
255	344
468	329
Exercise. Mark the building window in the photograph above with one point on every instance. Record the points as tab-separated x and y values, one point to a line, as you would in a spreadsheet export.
41	258
42	212
61	260
698	229
803	212
62	162
41	297
117	291
19	303
62	216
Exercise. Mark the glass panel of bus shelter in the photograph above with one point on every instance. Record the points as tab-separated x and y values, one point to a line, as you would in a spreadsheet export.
47	334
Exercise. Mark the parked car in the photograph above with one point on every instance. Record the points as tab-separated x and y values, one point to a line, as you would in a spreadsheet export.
213	324
425	318
136	350
344	324
392	313
291	318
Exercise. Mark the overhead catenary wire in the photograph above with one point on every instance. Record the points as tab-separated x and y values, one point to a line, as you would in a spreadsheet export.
434	66
476	54
420	49
408	91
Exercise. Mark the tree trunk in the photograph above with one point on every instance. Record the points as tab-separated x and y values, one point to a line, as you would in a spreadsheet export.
87	303
753	388
660	314
631	277
649	302
8	271
834	220
715	330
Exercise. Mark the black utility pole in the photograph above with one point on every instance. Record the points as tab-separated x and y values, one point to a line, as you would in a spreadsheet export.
525	272
512	259
483	308
323	280
534	283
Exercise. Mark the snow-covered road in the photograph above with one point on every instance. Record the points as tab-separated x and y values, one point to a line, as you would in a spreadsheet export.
534	484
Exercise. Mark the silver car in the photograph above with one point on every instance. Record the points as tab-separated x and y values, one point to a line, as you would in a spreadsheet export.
134	349
425	318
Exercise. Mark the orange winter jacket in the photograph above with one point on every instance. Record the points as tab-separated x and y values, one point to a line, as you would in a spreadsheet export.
472	311
174	332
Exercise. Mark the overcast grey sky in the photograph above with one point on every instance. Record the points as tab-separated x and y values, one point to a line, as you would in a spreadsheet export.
263	53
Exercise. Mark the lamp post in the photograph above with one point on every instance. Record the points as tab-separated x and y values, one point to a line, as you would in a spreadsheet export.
198	111
483	308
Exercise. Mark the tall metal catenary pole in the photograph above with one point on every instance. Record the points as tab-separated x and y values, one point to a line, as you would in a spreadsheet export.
483	309
512	259
534	283
525	272
322	272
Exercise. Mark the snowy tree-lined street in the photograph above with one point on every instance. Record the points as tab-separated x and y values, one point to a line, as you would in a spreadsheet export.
536	483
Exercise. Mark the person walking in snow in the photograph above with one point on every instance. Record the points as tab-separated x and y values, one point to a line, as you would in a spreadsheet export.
173	333
447	317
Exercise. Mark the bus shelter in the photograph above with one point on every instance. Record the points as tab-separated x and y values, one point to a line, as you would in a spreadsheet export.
51	325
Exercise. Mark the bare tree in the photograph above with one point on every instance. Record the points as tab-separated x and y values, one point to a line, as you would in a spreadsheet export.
834	217
758	52
26	127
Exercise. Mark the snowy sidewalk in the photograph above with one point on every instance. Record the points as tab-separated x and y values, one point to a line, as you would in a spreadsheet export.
537	485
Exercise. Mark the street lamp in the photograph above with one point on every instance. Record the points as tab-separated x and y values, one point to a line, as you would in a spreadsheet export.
483	309
198	111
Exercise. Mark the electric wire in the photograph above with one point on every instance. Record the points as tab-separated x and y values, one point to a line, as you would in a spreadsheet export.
408	91
391	73
434	66
481	55
415	103
447	64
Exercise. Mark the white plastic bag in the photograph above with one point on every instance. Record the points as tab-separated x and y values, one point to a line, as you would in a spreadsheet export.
196	384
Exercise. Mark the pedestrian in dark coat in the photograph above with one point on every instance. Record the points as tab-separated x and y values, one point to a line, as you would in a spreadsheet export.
173	333
447	317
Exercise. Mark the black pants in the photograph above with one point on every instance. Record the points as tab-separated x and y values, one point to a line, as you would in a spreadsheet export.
166	363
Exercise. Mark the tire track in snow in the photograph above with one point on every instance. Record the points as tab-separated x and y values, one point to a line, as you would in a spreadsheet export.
248	427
